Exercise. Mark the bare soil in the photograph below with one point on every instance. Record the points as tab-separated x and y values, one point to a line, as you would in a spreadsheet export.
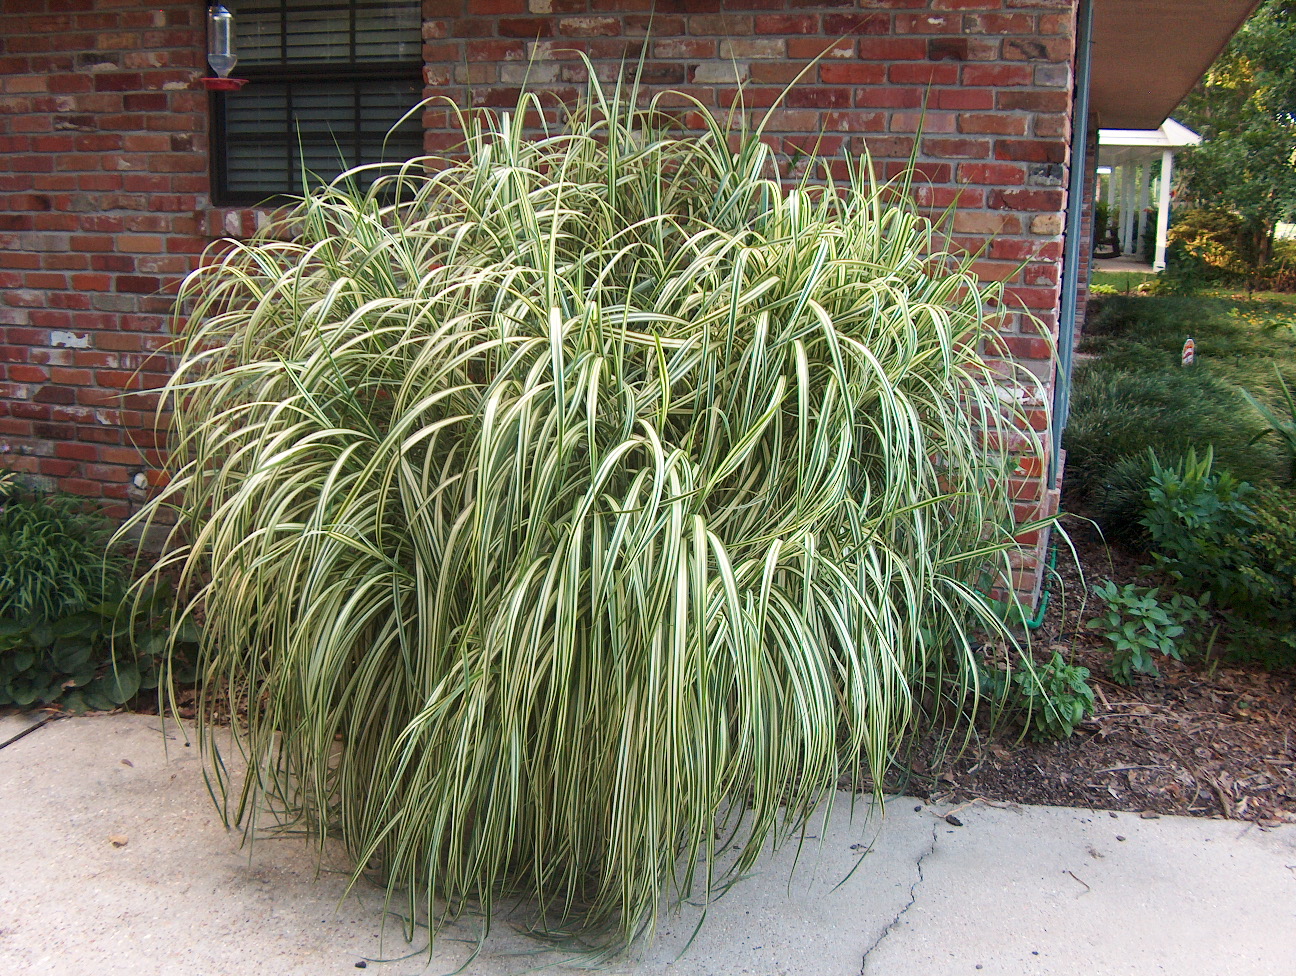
1207	738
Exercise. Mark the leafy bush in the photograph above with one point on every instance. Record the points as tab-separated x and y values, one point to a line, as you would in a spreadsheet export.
1239	543
1137	623
1049	699
1118	502
62	614
1264	623
1197	520
1055	697
80	661
1210	241
584	505
1216	247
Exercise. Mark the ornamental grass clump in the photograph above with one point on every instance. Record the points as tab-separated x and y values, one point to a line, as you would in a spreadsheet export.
576	509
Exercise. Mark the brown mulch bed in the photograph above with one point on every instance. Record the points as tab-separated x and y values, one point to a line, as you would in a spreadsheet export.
1206	738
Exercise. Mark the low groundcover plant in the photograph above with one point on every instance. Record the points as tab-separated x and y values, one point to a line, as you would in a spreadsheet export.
572	510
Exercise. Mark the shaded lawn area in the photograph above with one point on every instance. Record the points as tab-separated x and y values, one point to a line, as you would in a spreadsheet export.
1125	282
1132	393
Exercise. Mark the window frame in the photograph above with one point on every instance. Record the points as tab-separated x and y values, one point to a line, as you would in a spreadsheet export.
286	72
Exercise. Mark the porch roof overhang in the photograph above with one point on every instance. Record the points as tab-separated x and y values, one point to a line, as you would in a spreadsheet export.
1148	54
1118	147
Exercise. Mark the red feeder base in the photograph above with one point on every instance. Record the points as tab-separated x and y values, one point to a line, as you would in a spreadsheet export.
223	84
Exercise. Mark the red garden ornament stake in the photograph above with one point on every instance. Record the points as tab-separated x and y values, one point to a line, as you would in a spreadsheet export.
220	50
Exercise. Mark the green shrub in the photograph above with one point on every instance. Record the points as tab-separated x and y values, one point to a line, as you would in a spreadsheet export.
1119	500
584	506
1264	623
1055	697
1213	534
1197	520
62	614
1138	623
1246	555
1208	244
1215	247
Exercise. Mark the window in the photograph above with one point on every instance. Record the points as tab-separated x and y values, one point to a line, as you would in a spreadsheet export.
327	80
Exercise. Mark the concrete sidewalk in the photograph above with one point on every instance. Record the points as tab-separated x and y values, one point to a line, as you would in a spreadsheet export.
1011	892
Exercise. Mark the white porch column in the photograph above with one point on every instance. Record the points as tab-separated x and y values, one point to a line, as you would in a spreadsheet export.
1127	209
1145	183
1163	209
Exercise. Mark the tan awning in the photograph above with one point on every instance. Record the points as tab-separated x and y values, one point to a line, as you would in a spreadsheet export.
1148	54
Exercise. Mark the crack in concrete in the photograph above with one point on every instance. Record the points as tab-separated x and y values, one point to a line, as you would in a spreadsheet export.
913	898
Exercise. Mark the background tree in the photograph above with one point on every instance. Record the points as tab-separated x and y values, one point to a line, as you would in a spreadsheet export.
1245	109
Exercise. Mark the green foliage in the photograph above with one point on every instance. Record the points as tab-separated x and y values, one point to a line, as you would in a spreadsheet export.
1137	397
584	506
1119	413
1239	543
1215	248
1055	696
62	614
54	560
1264	623
1118	501
1196	519
1102	220
1049	699
1245	108
97	658
1203	524
1138	624
1282	426
1207	244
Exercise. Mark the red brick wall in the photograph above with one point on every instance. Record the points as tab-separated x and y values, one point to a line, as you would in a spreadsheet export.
103	178
981	89
104	192
994	77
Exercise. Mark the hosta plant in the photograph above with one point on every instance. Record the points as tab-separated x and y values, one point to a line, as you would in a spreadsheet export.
578	507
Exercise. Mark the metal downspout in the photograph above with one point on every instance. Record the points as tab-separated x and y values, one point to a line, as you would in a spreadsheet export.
1074	218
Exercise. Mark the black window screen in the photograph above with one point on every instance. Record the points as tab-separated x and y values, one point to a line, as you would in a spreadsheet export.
327	80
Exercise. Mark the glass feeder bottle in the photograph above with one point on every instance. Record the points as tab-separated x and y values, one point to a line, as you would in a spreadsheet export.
220	40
